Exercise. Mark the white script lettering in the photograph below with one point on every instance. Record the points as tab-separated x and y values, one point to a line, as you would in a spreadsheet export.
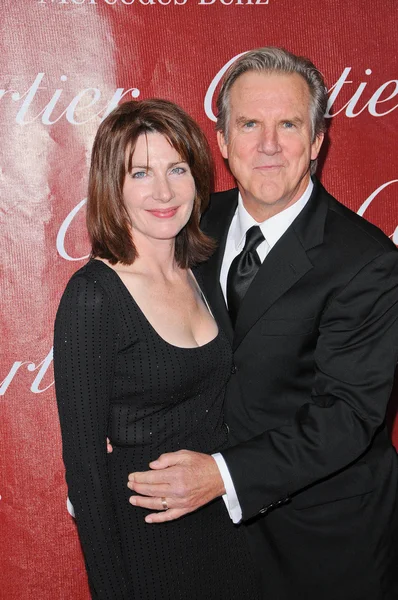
362	209
35	387
60	242
350	108
84	100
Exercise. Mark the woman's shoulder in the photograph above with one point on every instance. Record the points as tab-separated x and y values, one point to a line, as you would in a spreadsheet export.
94	271
94	283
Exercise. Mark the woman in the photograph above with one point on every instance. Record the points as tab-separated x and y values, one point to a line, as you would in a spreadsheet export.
139	358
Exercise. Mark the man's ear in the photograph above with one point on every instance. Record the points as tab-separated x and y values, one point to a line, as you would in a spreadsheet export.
316	146
222	144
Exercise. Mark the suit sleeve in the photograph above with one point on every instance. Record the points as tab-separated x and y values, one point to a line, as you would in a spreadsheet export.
354	365
84	361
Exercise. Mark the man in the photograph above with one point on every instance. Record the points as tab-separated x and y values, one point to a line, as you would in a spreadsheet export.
311	290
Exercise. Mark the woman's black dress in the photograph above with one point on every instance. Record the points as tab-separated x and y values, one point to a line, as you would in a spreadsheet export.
115	376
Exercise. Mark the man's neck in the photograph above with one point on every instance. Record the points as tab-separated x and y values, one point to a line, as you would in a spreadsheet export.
260	211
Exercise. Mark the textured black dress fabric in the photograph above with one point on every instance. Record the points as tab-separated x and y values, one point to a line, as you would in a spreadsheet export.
116	376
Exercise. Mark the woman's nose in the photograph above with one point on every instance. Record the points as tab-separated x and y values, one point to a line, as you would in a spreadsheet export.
163	190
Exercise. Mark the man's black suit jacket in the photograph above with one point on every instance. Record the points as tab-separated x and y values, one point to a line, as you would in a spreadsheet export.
315	348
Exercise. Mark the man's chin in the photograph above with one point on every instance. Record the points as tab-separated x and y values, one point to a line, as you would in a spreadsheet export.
269	194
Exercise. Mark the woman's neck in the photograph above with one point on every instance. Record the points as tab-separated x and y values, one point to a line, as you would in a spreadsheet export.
154	257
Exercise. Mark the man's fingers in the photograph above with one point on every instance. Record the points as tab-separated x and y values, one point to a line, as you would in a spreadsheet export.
148	502
146	489
192	481
164	463
168	459
109	447
149	477
166	515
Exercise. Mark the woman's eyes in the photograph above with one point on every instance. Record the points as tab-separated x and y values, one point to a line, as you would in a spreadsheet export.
143	174
178	170
139	174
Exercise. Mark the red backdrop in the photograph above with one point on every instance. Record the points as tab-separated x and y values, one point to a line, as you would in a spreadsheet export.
64	65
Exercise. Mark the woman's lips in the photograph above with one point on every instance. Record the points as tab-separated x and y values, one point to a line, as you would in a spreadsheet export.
163	213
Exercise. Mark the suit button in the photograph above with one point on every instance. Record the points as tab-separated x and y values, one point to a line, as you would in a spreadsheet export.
233	369
282	502
226	427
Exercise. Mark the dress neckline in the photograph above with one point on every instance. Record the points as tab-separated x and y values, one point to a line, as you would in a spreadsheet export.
130	295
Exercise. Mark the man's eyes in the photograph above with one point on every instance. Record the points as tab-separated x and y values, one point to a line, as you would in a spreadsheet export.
253	124
249	124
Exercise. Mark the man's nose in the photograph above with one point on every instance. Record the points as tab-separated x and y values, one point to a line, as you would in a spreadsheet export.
268	141
162	191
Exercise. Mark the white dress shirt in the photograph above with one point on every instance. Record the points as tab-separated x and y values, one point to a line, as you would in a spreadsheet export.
272	230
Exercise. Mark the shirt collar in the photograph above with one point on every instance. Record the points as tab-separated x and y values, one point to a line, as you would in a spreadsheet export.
274	227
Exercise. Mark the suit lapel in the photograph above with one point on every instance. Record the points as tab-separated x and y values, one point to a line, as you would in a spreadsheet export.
285	264
216	224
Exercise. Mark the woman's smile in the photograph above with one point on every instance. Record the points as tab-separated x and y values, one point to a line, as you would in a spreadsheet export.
163	213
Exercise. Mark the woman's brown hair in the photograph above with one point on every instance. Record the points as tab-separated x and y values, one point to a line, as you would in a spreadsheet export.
108	221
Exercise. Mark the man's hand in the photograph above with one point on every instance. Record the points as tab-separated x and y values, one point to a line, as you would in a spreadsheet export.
182	480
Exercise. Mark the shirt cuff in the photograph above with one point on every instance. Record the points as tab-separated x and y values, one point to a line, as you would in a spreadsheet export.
69	507
230	498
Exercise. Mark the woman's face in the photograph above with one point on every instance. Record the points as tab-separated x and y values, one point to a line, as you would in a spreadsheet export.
159	191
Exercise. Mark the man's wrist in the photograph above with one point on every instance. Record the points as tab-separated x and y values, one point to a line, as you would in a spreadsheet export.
230	497
217	478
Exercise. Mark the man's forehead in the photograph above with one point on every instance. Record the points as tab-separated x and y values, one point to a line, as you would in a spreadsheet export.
266	81
274	90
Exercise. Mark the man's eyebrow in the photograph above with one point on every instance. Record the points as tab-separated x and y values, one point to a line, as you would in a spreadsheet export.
242	120
294	120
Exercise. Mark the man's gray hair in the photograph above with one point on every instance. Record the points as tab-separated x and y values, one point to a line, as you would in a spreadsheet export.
275	60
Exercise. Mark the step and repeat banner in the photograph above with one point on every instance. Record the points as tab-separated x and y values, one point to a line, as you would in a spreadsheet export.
64	65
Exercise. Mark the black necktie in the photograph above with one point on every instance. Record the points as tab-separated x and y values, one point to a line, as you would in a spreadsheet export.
243	270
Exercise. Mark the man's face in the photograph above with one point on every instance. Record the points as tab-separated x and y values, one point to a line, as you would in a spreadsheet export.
269	144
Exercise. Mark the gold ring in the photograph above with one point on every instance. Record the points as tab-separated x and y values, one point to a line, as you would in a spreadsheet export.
164	504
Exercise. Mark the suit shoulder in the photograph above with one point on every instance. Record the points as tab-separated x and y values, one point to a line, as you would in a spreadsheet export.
220	200
224	194
356	231
221	205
